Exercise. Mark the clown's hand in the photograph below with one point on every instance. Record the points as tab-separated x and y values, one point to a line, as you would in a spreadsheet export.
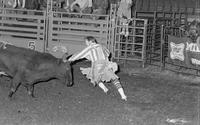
71	59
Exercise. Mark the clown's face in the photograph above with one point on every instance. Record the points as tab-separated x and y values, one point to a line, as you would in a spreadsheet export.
87	42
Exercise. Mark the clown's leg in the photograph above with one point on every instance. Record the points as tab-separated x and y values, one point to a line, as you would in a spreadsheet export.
103	87
120	89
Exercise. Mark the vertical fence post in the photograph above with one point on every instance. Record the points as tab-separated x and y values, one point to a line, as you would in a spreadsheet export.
46	21
162	52
112	27
144	49
49	23
198	107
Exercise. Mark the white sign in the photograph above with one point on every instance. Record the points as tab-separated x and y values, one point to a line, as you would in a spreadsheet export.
177	51
192	47
195	61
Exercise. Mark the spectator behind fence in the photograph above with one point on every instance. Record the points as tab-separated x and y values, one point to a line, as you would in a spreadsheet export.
100	7
42	4
81	6
193	30
124	15
67	4
21	4
11	3
32	4
124	10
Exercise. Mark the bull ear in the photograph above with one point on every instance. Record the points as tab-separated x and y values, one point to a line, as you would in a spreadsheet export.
64	57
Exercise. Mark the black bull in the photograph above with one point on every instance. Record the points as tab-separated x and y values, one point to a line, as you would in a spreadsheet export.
27	67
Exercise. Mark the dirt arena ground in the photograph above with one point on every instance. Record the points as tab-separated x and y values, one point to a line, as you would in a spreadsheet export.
154	98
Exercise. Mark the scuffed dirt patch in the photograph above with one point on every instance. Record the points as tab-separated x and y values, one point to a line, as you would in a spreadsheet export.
136	116
156	72
143	96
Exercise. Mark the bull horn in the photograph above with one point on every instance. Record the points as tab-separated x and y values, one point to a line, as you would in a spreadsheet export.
64	57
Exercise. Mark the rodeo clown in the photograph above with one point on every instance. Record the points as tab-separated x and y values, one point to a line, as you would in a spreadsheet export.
102	70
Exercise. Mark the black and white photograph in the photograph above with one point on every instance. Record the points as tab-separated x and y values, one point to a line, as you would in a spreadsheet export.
99	62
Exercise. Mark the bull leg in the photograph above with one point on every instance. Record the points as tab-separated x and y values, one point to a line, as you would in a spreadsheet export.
15	83
70	78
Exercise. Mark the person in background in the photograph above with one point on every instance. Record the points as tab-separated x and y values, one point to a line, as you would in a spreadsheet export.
193	30
67	4
14	3
102	70
100	7
81	6
124	15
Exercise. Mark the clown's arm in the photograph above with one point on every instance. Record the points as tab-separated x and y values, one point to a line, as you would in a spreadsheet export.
84	53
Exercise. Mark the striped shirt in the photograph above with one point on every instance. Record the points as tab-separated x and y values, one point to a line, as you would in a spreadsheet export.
94	52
